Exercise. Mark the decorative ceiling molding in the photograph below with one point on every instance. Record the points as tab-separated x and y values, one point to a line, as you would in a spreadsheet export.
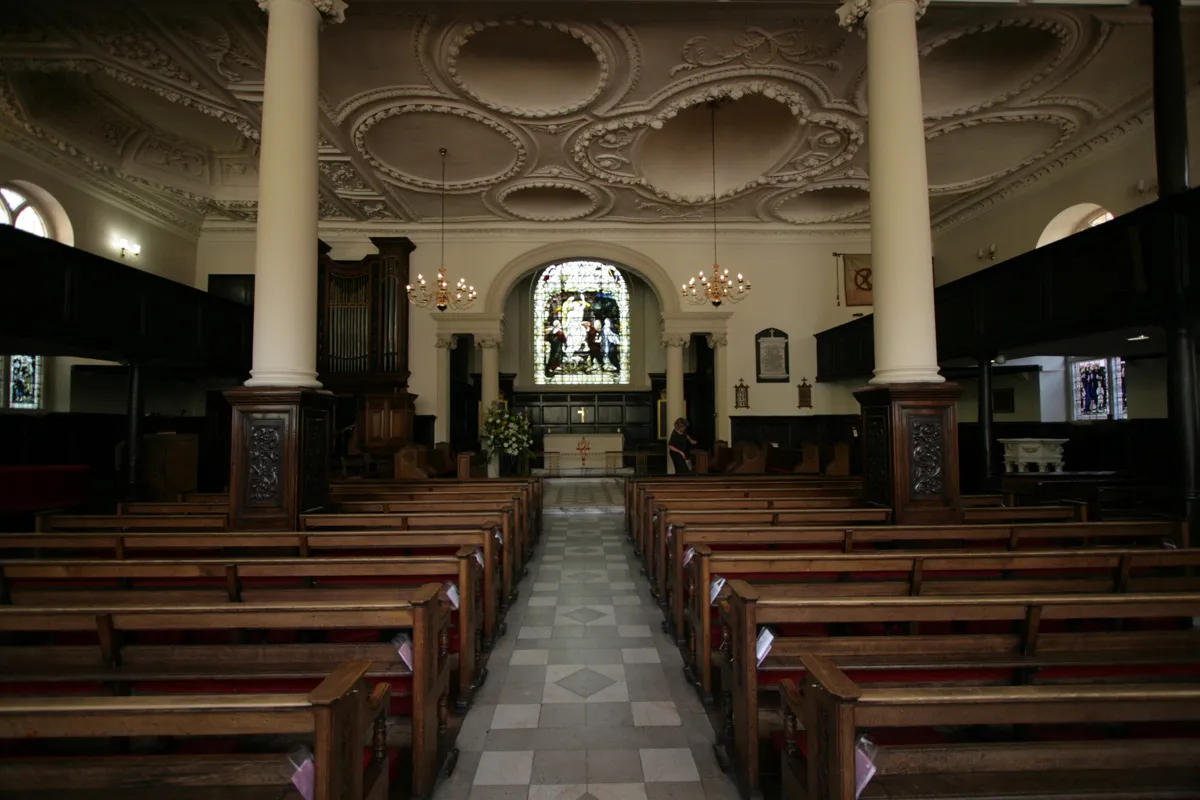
960	213
573	116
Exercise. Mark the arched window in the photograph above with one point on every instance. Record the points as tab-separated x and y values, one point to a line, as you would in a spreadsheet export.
580	324
21	375
18	210
1098	218
1073	220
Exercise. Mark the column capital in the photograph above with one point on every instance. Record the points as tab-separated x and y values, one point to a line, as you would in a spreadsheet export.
330	10
717	340
489	342
852	14
675	340
448	342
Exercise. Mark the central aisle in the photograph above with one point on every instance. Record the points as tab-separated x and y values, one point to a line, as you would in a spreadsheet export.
586	696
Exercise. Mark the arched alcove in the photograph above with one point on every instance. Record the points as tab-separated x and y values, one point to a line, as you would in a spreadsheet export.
57	222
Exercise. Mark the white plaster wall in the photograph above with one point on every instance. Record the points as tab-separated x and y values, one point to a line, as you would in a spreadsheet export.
793	275
1027	404
1146	388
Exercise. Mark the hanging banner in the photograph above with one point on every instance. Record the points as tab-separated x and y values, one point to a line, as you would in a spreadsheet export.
858	279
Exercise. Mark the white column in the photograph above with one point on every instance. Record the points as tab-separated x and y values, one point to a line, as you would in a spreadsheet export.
674	345
490	391
285	261
722	389
441	424
901	246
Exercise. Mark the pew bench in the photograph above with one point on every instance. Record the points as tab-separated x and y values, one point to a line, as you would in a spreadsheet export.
235	649
530	488
1000	640
198	522
913	574
317	545
1058	750
331	720
635	488
740	537
499	523
108	584
666	519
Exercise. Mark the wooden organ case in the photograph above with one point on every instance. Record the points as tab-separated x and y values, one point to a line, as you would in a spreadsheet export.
362	341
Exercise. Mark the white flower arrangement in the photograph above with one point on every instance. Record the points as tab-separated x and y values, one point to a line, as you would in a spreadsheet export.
506	431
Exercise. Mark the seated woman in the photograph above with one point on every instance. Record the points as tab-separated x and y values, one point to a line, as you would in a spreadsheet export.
677	446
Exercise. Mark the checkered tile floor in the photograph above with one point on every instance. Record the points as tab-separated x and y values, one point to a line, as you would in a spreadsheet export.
586	698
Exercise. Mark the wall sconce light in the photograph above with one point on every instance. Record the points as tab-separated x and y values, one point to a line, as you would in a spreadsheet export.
803	394
741	395
127	247
987	253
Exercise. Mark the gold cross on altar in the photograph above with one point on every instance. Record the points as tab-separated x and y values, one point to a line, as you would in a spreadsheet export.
583	447
582	412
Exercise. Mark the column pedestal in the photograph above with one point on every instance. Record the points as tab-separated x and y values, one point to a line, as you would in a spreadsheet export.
279	465
910	450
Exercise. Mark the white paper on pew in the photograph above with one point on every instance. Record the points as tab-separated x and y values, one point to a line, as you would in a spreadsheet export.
479	555
499	537
304	778
864	764
404	648
452	594
670	532
763	647
714	589
687	555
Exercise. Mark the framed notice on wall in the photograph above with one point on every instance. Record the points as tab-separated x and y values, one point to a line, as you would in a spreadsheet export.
771	356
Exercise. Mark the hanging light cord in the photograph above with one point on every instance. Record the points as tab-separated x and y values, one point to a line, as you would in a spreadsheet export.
443	153
713	109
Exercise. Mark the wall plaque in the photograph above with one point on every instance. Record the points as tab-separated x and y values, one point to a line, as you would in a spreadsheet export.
771	356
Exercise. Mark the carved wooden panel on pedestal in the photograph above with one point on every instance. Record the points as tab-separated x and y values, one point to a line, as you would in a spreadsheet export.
926	455
279	455
265	460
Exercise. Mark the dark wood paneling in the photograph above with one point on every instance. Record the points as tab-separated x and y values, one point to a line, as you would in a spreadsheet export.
1134	447
1113	276
57	300
627	413
791	433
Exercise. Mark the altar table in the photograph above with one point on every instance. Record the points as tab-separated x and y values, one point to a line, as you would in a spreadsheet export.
582	451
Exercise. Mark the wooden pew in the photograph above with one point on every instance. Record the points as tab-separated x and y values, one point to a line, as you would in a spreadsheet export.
213	498
669	519
832	710
927	573
332	719
127	656
514	523
202	522
519	499
148	544
179	508
268	581
1028	645
637	487
497	521
998	537
531	488
727	499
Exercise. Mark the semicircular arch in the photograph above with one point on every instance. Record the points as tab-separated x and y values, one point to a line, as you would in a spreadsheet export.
638	263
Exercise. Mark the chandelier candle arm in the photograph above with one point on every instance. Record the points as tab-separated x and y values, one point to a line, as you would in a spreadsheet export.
721	288
442	297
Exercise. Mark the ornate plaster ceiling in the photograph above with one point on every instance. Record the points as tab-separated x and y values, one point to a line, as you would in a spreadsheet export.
598	113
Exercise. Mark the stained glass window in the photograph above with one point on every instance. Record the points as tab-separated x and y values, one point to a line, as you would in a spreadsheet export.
24	384
1098	389
580	325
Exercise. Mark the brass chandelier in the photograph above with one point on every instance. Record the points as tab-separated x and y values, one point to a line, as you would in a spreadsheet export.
442	297
721	287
